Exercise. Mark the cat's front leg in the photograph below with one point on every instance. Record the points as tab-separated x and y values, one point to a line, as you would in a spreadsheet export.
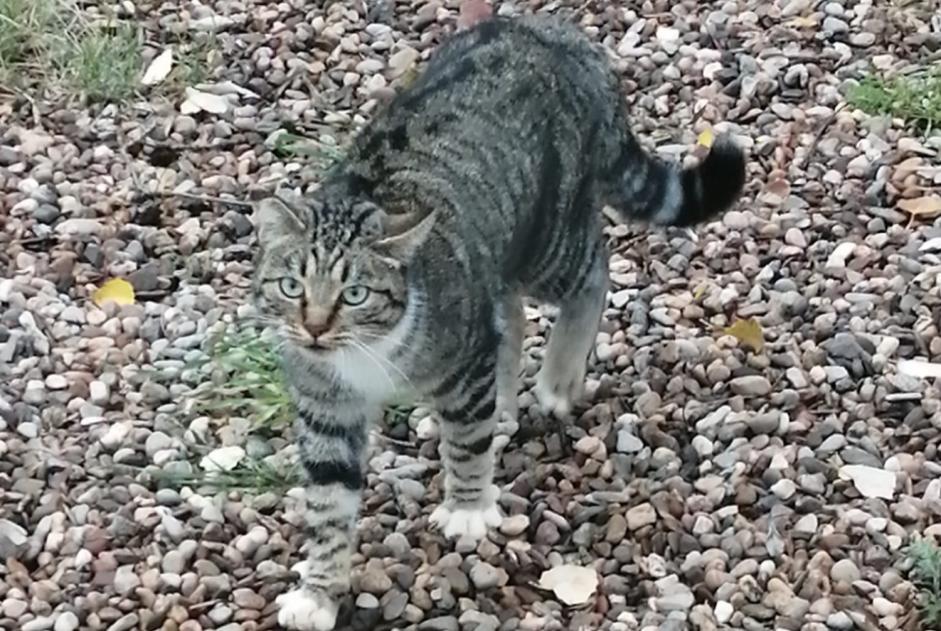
468	421
331	447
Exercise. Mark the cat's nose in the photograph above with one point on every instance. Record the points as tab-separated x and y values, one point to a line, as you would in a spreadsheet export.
317	322
316	329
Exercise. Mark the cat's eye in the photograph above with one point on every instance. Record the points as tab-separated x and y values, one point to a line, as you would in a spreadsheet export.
291	287
355	295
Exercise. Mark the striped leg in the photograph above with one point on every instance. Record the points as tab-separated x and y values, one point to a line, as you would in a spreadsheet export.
468	421
331	452
561	380
508	359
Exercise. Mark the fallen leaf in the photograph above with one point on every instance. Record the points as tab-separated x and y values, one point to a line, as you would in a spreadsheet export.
700	292
115	290
928	206
748	332
921	370
706	138
211	23
226	87
222	459
802	22
870	481
197	101
159	68
572	584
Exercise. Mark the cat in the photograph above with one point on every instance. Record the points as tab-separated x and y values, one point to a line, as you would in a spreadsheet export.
479	184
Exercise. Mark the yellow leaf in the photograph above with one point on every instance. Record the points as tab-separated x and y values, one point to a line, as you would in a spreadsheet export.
706	138
929	206
116	290
748	332
699	292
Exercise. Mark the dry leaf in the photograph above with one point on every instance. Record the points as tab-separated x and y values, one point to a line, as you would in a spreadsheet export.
572	584
226	87
115	290
159	68
699	292
870	481
748	332
921	370
928	206
197	101
802	22
706	138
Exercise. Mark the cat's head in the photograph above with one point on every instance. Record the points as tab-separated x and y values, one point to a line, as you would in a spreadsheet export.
331	271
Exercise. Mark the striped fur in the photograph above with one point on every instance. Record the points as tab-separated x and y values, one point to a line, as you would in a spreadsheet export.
479	185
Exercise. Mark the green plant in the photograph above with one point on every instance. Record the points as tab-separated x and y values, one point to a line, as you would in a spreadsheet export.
914	97
252	385
46	43
104	62
250	475
926	574
290	145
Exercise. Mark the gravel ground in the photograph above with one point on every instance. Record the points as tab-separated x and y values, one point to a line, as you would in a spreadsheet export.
710	486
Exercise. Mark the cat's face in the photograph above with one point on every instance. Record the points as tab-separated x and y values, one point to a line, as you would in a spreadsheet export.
330	274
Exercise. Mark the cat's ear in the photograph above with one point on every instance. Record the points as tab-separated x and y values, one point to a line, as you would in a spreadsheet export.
403	236
274	219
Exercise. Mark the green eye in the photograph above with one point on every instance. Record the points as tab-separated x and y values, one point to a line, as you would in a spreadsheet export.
291	287
355	295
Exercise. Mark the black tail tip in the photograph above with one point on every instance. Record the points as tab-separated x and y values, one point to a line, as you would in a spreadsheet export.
712	187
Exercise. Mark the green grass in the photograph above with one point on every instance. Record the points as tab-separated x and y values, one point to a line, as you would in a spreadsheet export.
257	476
291	145
251	384
52	44
926	574
104	64
916	97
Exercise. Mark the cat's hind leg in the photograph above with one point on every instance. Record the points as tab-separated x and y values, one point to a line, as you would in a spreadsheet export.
561	379
512	322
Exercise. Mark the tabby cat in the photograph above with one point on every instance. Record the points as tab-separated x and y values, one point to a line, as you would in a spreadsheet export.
481	183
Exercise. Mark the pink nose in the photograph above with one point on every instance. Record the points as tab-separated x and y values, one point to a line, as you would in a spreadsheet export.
316	329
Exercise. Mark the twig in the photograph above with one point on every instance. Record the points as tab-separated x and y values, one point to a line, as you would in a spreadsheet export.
208	199
819	135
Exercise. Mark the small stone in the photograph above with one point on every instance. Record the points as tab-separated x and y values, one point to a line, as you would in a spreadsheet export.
723	611
485	576
751	386
640	516
514	525
845	571
375	581
784	488
617	529
66	621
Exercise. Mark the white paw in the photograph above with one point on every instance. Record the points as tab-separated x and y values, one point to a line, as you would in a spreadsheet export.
556	396
306	610
469	522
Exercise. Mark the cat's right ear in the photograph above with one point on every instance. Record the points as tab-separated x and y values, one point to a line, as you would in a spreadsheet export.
274	219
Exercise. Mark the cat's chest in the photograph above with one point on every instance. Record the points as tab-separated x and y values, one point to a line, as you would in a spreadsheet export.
379	371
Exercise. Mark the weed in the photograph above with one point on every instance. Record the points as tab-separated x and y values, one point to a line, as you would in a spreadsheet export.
104	63
289	145
915	98
53	43
926	574
252	475
253	384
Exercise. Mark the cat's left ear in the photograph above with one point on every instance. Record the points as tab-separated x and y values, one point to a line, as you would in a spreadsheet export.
403	236
274	219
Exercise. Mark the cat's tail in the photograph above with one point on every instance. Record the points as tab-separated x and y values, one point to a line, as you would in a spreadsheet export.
643	187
